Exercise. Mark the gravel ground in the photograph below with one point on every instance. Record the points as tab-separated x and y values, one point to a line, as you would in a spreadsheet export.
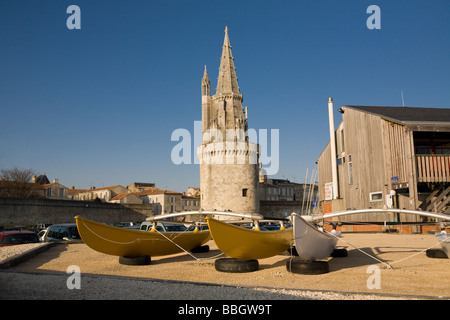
19	285
180	277
13	251
53	286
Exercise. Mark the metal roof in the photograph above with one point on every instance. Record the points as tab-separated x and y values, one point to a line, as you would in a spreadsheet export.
406	114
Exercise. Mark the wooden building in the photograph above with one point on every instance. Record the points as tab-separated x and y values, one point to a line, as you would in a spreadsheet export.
397	157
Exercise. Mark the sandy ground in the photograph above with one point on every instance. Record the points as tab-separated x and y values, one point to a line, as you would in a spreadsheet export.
412	272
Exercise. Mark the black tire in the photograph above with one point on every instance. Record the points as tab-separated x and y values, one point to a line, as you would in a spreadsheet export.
200	249
135	261
436	253
339	253
233	265
299	266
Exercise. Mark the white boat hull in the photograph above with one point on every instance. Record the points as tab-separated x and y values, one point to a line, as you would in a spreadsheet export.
310	242
444	239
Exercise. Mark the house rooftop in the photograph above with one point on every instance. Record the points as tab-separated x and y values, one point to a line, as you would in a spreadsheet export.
120	196
406	115
73	190
145	193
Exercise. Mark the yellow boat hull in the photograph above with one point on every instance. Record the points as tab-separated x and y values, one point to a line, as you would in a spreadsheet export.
134	243
241	243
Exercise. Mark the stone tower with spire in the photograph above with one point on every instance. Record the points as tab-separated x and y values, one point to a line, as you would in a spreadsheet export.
229	163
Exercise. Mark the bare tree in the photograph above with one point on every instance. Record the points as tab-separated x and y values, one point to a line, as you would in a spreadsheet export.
16	183
17	175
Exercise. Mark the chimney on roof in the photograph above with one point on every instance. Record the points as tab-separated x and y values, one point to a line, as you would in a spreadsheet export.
33	179
333	149
55	180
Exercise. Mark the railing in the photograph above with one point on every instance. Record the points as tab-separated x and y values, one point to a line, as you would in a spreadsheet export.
433	168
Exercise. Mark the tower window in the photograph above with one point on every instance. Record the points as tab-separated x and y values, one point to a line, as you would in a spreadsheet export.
244	192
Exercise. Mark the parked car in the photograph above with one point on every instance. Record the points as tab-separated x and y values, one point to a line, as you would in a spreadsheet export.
42	226
127	225
41	234
9	238
163	226
62	232
199	228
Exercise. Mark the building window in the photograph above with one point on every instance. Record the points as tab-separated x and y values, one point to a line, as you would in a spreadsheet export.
61	192
376	196
49	192
244	192
350	169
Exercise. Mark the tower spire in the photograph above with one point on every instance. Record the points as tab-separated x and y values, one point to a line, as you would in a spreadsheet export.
227	80
205	84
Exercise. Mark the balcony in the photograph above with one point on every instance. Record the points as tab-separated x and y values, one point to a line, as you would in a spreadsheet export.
433	168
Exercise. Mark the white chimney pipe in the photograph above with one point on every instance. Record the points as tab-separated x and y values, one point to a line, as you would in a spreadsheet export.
333	149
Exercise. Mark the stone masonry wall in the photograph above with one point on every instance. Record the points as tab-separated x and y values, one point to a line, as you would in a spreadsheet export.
29	212
222	187
279	209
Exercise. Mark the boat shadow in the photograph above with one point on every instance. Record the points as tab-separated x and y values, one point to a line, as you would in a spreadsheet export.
368	256
355	258
281	263
185	257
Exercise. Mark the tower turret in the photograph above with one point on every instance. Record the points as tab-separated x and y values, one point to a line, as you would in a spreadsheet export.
206	85
206	96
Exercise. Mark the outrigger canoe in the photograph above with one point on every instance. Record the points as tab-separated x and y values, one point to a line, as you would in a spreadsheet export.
310	242
246	244
134	243
312	252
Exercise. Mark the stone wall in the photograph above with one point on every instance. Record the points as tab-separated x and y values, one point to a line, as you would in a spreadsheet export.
29	212
222	187
277	209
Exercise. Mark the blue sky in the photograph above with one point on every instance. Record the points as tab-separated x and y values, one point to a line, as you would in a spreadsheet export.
97	106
